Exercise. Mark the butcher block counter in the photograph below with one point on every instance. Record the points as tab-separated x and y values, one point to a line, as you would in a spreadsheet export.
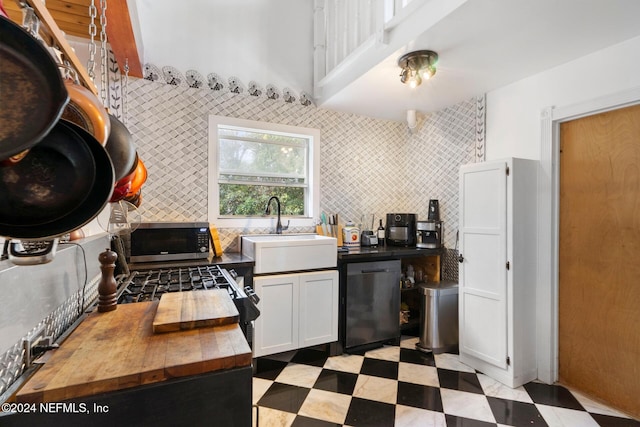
115	359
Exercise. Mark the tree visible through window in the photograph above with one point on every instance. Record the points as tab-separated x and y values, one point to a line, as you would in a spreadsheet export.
255	164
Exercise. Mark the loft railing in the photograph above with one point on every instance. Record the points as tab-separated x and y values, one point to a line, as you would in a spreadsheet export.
344	29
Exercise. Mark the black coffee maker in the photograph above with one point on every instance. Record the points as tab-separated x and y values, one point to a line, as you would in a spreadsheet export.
429	232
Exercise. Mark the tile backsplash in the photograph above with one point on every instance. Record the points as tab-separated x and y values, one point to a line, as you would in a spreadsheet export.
367	165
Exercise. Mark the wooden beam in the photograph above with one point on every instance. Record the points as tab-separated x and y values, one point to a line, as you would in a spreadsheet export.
121	38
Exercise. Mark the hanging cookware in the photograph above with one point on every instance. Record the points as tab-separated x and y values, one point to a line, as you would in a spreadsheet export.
122	186
33	93
139	178
85	109
121	149
61	185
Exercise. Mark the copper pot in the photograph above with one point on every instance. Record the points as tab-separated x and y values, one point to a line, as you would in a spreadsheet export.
85	110
139	178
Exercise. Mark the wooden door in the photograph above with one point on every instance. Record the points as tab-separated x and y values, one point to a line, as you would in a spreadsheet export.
599	259
483	274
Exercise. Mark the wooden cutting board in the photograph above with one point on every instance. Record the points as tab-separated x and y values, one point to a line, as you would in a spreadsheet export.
118	350
188	310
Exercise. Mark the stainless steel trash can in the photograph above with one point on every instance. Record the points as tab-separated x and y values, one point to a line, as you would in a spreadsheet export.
438	317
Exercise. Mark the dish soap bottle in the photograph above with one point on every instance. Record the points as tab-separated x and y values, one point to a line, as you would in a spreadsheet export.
380	234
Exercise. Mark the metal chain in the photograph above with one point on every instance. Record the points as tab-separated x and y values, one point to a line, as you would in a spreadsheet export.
103	52
125	83
91	63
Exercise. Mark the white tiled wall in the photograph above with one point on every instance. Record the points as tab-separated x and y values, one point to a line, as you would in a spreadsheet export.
368	166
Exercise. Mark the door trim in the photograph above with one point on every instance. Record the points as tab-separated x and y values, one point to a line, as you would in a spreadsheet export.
548	224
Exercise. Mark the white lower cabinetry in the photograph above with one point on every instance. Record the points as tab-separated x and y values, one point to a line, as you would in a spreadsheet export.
296	310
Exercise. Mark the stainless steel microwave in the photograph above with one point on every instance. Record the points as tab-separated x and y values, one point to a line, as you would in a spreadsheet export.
169	241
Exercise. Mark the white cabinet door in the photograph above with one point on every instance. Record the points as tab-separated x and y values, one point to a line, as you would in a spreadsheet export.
276	329
318	308
483	271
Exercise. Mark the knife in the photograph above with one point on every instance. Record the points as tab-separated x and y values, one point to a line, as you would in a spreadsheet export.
323	217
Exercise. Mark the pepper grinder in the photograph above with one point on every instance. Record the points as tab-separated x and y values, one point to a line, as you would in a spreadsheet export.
107	286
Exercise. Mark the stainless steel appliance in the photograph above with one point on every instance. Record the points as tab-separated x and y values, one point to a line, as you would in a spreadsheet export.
438	317
169	241
429	234
401	229
149	285
372	303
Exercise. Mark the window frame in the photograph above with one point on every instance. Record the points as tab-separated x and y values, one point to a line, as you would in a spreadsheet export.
213	204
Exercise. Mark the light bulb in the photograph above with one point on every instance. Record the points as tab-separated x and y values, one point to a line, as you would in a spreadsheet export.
428	72
415	81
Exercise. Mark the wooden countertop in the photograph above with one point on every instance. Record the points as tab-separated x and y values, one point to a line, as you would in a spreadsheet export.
118	349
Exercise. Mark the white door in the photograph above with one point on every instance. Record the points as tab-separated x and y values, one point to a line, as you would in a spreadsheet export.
318	308
277	326
482	272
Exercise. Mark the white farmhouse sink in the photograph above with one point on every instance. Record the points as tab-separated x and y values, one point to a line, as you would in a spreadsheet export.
290	252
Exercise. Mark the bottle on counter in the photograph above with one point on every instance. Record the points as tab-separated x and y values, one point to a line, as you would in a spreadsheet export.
380	234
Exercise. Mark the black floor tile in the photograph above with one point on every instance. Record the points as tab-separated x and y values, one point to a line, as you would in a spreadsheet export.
363	412
380	368
418	357
269	369
462	381
610	421
284	397
301	421
419	396
554	395
336	381
516	413
453	421
309	356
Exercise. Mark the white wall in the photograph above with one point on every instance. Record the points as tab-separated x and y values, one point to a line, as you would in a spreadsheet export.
251	40
514	128
513	111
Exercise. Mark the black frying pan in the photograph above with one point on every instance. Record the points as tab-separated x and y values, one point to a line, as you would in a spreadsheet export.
32	90
62	184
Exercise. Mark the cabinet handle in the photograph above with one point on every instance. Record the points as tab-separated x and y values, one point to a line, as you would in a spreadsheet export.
460	259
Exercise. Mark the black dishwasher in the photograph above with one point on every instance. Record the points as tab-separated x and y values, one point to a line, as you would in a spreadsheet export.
372	303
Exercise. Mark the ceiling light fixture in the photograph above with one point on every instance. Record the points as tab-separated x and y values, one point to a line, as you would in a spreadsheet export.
417	66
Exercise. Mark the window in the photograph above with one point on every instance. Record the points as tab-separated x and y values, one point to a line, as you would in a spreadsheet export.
250	161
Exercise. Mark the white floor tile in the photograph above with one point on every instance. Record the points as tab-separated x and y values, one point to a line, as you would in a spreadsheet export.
376	388
325	405
345	363
408	416
596	407
495	388
273	418
260	386
418	374
300	375
409	342
391	354
562	417
467	405
451	361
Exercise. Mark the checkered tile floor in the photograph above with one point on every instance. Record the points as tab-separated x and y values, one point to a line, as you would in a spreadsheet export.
400	386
